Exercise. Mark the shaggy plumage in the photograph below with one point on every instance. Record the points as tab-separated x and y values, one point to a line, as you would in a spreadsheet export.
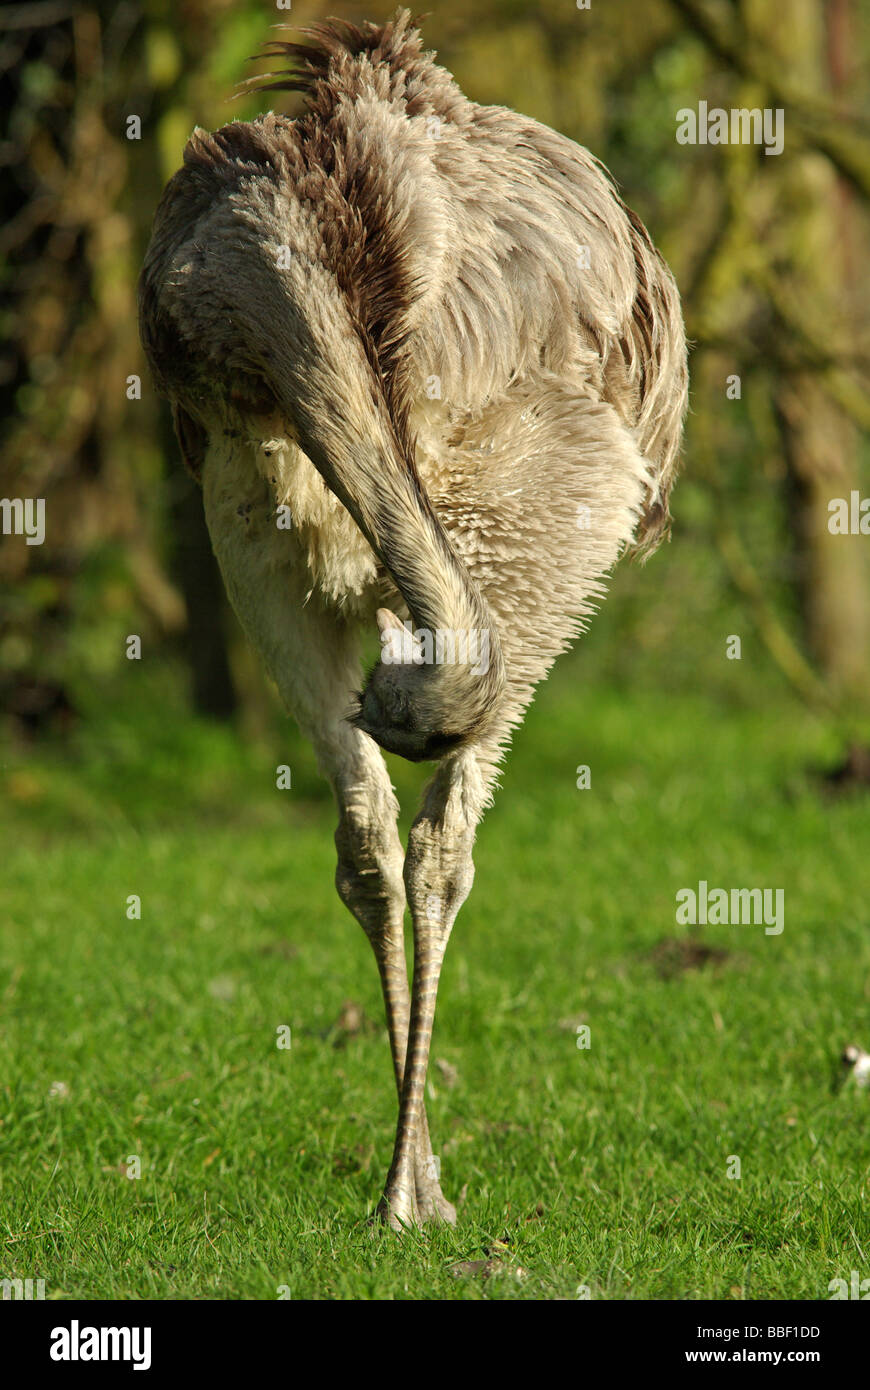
435	333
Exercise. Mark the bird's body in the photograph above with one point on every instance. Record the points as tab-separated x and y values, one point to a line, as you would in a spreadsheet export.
427	366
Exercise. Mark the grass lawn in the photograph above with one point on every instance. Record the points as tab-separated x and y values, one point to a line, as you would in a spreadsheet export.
605	1167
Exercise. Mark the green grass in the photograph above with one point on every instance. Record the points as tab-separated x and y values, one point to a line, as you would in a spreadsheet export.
604	1167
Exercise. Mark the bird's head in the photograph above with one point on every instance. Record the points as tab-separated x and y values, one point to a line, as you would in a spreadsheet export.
403	705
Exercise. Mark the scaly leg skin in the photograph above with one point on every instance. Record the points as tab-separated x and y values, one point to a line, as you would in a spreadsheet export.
431	1204
369	882
438	876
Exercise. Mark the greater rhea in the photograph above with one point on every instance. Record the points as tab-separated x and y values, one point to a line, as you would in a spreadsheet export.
431	336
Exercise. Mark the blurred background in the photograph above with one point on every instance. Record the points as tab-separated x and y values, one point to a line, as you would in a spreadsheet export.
770	252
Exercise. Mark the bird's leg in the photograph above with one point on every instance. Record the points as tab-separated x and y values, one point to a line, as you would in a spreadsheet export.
314	659
369	882
438	876
431	1204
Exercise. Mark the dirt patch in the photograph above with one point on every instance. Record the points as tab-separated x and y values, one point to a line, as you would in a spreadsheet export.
674	955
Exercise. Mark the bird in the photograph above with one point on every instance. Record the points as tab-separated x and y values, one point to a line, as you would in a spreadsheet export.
431	374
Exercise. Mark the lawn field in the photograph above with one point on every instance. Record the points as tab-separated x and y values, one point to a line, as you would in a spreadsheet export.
151	1043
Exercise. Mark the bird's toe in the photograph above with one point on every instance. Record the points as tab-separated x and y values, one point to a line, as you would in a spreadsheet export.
434	1206
398	1210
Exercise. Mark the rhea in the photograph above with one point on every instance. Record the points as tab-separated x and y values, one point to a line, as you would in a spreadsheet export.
431	334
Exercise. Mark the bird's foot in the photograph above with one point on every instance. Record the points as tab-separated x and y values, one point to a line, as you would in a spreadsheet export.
431	1202
434	1206
398	1208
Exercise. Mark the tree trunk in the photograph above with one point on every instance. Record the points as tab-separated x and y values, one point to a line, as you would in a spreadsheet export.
821	445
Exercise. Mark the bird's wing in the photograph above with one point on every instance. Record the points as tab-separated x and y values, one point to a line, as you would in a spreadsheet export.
547	267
